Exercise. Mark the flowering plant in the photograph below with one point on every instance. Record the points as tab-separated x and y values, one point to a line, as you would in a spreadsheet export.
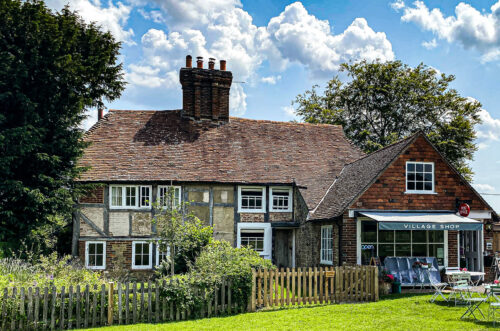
386	276
496	281
463	269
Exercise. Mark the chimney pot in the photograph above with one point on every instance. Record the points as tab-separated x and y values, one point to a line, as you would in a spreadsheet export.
211	63
223	65
199	62
100	113
189	61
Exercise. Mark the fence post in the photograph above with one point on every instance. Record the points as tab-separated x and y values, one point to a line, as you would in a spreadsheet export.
375	272
252	299
110	303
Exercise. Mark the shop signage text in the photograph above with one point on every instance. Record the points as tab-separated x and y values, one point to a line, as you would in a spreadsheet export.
430	226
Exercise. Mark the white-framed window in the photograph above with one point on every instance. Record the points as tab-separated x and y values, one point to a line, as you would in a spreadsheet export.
327	244
405	243
259	236
95	255
130	196
281	199
142	255
253	239
419	177
161	255
169	196
251	199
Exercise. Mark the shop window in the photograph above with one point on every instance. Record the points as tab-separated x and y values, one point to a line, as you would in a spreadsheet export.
419	177
252	199
95	254
281	199
141	255
327	244
383	243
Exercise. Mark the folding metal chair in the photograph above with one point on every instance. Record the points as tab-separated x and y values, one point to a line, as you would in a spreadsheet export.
495	304
438	287
460	287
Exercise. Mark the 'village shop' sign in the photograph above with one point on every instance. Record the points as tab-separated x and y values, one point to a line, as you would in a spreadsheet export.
477	226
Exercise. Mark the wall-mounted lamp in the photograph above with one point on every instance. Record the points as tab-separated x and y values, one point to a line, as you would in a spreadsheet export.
488	227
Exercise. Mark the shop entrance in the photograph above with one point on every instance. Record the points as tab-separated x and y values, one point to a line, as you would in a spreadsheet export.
470	252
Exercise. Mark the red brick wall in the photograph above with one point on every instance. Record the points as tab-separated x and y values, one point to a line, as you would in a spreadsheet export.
118	254
387	193
392	185
95	196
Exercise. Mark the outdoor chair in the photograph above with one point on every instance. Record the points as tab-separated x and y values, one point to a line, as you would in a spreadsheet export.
438	290
494	304
473	304
460	287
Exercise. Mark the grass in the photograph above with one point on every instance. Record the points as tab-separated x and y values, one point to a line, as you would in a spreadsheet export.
394	312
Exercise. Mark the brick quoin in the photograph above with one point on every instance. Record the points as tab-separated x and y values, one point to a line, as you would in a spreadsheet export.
387	193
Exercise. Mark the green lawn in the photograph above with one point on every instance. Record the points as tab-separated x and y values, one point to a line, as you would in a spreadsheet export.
396	312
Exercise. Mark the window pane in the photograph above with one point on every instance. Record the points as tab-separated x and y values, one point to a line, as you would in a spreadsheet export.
403	250
385	250
92	248
411	167
411	185
92	260
428	186
99	260
419	250
145	260
130	193
403	236
144	196
419	167
420	186
428	177
368	231
137	259
386	236
419	176
411	176
419	236
367	253
428	168
116	196
99	248
145	248
437	250
436	236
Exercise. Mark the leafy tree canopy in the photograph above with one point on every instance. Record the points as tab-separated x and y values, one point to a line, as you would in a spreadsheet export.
52	67
385	102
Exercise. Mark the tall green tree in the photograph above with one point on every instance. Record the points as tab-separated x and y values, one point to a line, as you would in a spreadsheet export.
383	102
53	66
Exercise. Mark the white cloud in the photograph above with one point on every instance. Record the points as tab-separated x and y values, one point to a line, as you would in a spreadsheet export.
112	18
490	128
223	30
303	38
289	112
430	44
397	5
484	188
272	80
468	26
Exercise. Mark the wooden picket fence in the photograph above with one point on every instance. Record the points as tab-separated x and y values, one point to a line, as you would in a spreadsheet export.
300	286
83	307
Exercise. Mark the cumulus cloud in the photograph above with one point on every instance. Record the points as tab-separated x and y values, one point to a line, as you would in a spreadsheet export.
490	128
112	18
397	5
430	44
484	188
303	38
289	112
469	27
224	30
271	80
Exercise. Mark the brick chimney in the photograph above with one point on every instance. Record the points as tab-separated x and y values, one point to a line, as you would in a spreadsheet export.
205	92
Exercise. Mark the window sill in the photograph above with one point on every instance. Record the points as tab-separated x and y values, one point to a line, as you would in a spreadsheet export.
141	268
96	268
280	211
420	192
326	262
130	208
251	211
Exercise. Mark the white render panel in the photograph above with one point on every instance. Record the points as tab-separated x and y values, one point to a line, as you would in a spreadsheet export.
119	224
96	215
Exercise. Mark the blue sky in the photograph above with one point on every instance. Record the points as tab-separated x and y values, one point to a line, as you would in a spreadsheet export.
281	48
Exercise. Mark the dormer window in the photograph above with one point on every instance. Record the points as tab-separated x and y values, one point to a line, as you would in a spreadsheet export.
419	177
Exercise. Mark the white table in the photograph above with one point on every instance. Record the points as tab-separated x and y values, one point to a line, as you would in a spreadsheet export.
471	273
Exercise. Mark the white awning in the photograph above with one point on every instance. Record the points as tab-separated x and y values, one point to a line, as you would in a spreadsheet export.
423	221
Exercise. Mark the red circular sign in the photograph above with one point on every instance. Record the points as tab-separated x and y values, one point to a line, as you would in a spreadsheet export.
464	209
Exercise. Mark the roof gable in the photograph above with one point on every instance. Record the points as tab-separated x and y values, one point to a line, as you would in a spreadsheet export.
161	146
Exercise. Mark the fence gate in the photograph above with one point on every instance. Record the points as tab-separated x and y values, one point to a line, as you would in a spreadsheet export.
299	286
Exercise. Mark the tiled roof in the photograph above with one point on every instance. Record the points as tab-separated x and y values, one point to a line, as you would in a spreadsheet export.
355	178
160	146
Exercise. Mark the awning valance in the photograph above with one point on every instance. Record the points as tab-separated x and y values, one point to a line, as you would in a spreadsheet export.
423	221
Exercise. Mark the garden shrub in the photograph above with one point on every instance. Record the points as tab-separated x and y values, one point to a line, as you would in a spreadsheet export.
217	262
